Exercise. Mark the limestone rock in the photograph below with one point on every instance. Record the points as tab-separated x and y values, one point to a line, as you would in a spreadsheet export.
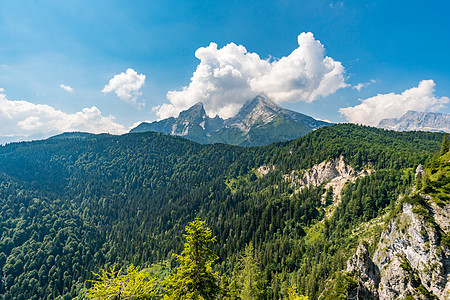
366	273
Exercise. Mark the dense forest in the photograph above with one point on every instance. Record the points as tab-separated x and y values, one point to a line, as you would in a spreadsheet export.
70	207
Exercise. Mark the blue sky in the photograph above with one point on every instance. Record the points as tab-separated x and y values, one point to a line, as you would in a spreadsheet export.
391	46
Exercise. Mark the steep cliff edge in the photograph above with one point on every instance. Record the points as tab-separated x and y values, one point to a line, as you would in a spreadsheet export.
412	257
411	260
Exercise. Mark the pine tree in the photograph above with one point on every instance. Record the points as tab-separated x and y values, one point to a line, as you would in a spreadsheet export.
248	279
194	279
293	295
445	145
112	284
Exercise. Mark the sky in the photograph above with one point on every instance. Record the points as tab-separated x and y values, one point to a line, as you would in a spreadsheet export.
105	66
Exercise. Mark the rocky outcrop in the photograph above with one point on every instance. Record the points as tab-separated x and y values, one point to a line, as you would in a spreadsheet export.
265	169
335	173
410	258
323	172
367	274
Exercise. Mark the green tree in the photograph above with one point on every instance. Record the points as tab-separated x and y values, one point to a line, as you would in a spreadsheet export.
194	279
445	145
293	295
112	284
247	284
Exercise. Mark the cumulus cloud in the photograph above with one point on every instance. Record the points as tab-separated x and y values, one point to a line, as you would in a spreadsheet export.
67	88
126	86
372	110
361	85
225	78
22	120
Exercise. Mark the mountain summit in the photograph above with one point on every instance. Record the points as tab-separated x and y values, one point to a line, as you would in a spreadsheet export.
415	120
260	121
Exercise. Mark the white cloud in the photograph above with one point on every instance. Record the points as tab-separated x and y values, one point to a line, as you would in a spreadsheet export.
361	85
126	86
22	120
67	88
335	4
227	77
372	110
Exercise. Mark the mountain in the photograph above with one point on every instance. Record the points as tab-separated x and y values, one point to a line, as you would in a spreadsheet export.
420	121
72	136
410	260
73	206
259	122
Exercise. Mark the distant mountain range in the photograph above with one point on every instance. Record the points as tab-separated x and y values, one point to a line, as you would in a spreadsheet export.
259	122
420	121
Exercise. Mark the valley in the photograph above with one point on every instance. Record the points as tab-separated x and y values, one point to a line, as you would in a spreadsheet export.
73	206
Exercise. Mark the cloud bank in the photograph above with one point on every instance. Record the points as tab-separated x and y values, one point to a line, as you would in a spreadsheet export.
22	120
126	86
225	78
372	110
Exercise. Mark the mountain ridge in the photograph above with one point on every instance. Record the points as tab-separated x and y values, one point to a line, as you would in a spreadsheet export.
260	121
415	120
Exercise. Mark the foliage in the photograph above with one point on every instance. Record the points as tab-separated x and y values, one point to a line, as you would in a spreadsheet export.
340	285
112	284
247	282
194	279
293	295
69	207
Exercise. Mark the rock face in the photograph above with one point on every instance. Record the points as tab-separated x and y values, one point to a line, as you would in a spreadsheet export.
414	120
368	274
259	122
192	123
410	258
335	172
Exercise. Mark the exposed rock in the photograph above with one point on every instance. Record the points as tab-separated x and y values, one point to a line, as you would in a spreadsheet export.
265	169
417	239
410	260
395	281
410	257
441	216
259	122
323	172
366	273
419	169
336	173
415	120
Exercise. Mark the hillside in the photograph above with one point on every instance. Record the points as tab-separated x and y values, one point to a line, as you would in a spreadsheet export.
70	206
410	260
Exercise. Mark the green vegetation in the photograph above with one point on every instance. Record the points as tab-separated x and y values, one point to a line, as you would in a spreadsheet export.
341	285
112	284
71	207
194	278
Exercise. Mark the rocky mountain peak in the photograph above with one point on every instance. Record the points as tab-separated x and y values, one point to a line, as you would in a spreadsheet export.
416	120
259	122
258	111
194	113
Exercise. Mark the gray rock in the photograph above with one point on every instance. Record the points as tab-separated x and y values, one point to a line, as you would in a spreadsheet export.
409	260
422	121
259	122
366	273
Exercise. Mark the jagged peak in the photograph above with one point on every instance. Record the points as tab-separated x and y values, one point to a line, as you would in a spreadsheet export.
195	111
260	100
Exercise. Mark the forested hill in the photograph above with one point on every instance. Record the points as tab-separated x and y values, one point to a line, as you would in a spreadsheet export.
69	207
